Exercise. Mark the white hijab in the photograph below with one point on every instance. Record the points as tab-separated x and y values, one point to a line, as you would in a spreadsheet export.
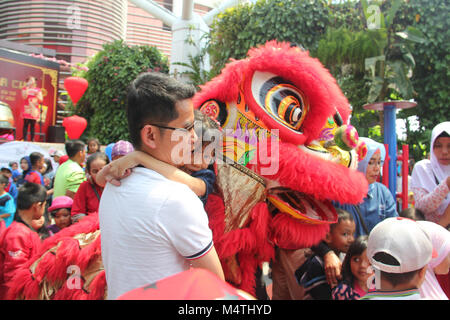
440	238
426	172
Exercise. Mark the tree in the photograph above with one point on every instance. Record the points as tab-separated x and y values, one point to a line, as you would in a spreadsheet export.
110	73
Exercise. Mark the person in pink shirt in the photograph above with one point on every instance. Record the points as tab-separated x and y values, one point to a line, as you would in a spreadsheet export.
355	272
32	99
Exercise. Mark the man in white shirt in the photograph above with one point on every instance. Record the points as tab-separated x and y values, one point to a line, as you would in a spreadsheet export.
153	227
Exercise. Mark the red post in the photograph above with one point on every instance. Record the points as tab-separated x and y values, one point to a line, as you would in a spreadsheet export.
405	173
385	179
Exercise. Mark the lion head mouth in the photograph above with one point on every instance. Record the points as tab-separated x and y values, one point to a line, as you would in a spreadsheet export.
302	206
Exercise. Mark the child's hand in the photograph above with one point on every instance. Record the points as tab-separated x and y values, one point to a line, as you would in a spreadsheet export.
111	177
120	166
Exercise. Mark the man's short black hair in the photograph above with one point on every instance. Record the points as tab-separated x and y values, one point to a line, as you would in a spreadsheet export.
394	279
73	147
35	157
30	193
151	99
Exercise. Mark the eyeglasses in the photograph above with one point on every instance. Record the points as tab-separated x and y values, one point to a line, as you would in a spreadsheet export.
187	130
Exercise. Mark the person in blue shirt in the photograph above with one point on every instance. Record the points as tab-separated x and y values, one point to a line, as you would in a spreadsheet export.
379	203
11	187
7	205
376	206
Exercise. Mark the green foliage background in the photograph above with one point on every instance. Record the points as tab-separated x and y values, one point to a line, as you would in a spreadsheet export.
110	73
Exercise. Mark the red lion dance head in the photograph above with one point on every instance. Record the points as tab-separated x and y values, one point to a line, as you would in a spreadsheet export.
287	154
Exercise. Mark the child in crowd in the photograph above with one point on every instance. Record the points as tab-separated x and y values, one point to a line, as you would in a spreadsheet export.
34	175
7	204
60	211
20	241
93	146
199	175
25	165
11	188
311	275
355	272
399	250
87	198
120	149
15	170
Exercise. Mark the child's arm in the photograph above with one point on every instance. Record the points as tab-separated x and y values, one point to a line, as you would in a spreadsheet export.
118	168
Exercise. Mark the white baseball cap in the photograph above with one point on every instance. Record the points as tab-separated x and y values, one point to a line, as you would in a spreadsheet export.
403	239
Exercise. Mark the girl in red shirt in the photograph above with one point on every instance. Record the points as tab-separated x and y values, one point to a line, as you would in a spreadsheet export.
87	198
20	241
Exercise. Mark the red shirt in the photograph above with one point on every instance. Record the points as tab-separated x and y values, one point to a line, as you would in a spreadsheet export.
18	243
85	200
31	104
34	177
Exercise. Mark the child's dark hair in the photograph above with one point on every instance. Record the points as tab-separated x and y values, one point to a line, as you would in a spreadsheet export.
30	193
94	140
413	214
73	147
53	213
49	165
356	249
35	157
342	215
95	156
205	127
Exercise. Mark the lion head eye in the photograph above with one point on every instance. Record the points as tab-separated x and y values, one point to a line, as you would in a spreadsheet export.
280	99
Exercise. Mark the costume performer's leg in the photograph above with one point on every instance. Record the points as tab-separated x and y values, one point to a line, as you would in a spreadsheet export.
285	286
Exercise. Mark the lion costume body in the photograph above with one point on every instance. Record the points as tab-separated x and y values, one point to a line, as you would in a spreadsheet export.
277	173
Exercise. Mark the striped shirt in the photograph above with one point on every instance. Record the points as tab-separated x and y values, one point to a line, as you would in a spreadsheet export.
412	294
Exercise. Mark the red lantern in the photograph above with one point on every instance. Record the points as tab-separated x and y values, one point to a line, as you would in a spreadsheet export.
75	87
75	126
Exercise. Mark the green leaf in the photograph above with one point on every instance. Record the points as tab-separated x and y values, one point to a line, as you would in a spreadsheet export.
413	34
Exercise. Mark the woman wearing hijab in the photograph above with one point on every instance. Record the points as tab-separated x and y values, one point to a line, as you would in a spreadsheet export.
430	179
379	203
439	265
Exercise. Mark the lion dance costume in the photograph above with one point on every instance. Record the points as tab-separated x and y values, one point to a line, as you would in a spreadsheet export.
287	153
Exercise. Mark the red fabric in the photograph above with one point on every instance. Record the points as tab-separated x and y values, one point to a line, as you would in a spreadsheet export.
30	109
33	177
53	267
444	281
193	284
293	65
18	244
85	200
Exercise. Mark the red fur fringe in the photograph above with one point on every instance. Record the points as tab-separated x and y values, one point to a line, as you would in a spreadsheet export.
53	266
250	244
291	233
312	175
292	64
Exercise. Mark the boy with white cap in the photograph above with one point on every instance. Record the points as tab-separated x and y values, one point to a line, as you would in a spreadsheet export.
399	251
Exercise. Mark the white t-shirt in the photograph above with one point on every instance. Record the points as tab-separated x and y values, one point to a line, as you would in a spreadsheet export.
150	227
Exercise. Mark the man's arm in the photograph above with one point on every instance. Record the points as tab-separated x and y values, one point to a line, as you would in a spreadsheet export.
210	261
